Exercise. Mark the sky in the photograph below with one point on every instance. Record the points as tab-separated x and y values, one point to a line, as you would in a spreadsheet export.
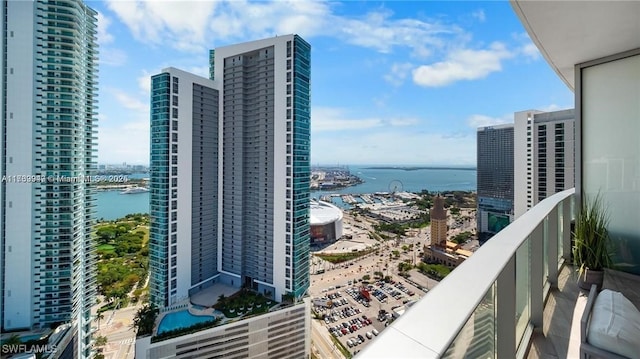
392	82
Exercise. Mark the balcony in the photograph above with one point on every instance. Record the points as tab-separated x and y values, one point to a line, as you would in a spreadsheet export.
521	268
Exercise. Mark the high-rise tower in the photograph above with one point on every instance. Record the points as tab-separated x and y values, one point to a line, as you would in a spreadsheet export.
544	156
265	173
184	185
495	179
48	144
230	173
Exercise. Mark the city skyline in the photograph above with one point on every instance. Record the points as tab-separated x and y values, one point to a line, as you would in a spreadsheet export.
391	78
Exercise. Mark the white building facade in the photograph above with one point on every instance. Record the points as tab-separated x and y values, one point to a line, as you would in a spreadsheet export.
48	144
544	156
184	122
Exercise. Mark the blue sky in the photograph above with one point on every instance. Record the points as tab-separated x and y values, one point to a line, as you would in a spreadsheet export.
395	82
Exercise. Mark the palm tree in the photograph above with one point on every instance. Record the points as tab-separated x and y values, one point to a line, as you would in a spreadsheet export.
99	317
13	340
100	341
145	319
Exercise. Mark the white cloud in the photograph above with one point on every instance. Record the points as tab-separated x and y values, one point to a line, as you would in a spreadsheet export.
398	74
112	57
526	47
104	37
129	102
108	55
476	121
530	50
125	142
144	82
479	15
402	122
192	26
394	146
126	137
334	119
555	107
179	23
329	119
378	31
199	70
462	64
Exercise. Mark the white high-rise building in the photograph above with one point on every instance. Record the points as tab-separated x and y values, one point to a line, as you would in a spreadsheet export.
184	185
544	157
48	147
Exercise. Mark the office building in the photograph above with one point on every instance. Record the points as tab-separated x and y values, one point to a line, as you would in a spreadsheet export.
230	173
523	278
48	144
543	156
495	179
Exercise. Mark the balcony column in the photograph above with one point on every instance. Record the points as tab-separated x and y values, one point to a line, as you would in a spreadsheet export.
553	235
506	310
536	275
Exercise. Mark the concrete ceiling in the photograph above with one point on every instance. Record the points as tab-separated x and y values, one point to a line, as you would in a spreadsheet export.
572	32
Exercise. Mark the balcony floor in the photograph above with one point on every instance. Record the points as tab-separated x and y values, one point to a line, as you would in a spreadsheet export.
560	335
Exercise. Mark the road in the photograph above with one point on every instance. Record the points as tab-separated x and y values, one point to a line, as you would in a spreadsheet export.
321	344
116	326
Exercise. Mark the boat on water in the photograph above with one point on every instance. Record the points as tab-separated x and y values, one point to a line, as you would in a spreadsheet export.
132	190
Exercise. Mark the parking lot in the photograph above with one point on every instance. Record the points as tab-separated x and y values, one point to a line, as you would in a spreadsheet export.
355	320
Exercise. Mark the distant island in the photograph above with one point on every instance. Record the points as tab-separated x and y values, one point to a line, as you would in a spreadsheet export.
414	168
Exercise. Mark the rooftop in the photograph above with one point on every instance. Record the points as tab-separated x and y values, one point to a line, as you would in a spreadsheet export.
323	213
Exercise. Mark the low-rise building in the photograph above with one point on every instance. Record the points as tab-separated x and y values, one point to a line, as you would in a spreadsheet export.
282	333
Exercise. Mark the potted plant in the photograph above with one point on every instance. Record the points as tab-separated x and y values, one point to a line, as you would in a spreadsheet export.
592	247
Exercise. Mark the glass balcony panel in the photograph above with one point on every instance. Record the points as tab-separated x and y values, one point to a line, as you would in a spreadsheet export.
545	250
560	229
523	289
477	338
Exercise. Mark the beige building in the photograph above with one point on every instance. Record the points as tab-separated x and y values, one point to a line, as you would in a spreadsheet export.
441	250
438	220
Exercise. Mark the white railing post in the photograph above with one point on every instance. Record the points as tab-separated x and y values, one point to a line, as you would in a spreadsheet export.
506	311
536	272
553	234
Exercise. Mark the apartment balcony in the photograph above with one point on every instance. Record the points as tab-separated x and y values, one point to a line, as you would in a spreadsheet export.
516	297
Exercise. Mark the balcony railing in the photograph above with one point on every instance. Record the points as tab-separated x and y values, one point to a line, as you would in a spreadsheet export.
489	306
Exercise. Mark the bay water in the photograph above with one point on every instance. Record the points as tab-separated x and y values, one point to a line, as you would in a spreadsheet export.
113	204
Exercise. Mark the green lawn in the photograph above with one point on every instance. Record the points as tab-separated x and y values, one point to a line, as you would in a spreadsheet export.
106	248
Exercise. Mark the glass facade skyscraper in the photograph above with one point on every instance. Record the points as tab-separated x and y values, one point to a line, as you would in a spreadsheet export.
495	179
48	143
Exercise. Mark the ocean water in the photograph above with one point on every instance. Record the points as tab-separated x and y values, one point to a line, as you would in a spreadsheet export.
112	204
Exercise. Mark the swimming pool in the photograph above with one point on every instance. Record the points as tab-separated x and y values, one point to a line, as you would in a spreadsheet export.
181	319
